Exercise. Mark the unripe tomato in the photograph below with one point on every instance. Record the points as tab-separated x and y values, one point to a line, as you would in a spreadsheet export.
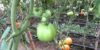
60	43
46	32
47	14
44	19
82	12
68	40
70	13
90	9
65	47
37	11
18	24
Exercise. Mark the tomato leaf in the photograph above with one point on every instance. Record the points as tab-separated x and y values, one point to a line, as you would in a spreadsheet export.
6	32
4	45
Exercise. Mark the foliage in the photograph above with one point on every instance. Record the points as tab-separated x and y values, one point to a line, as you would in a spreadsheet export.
4	37
45	11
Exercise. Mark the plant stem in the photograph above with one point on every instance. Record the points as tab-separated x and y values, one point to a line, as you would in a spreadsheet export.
25	21
31	7
32	45
25	24
13	15
98	33
10	44
97	38
16	41
13	24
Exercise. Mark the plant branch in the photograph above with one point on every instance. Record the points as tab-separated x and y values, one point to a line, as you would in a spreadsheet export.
13	24
25	23
13	15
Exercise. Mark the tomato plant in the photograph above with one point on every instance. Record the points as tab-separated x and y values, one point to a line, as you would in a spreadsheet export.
46	32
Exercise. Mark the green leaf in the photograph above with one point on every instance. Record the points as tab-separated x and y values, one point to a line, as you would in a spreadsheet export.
97	7
6	32
2	21
4	45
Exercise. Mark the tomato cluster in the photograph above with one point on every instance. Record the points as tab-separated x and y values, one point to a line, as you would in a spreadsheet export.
65	43
45	30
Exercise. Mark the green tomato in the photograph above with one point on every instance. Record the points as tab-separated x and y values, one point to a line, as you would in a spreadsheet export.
70	13
46	32
47	14
37	11
43	19
90	9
